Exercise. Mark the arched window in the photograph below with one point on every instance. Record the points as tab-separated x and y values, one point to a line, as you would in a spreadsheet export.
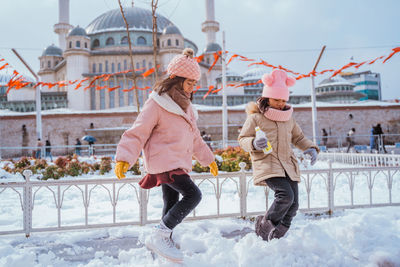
124	40
70	44
176	42
85	44
141	41
94	68
169	42
78	44
110	41
48	64
158	42
96	43
144	63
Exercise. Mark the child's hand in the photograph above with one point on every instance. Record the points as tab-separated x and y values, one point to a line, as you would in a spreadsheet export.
213	168
260	143
313	153
120	168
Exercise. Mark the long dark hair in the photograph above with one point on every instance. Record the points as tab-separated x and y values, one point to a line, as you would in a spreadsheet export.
263	103
166	84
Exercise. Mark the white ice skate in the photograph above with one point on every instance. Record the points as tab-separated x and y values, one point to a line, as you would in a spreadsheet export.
160	242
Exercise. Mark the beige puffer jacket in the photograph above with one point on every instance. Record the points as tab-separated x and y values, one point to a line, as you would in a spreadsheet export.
281	134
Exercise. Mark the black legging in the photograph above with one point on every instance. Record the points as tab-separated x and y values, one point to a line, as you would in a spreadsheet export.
286	201
175	210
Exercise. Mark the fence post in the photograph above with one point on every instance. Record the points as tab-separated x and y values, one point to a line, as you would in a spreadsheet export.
330	189
27	208
243	190
143	200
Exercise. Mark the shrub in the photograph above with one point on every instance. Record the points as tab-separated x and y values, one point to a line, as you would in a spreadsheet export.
22	163
61	162
52	172
105	165
135	168
73	168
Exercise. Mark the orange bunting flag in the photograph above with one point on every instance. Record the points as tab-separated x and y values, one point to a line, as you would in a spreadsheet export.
113	88
148	72
395	50
80	83
209	90
100	87
199	58
231	58
197	88
216	57
2	67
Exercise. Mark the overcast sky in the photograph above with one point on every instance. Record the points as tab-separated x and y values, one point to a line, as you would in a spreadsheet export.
290	33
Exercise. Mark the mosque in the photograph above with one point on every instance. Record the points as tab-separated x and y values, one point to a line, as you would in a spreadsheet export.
102	48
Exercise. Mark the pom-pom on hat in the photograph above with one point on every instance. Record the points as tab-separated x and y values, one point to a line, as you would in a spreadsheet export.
276	84
184	65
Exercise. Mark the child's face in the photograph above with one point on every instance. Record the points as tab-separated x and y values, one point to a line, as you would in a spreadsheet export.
277	103
188	85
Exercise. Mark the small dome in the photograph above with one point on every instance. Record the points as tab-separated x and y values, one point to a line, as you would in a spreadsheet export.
254	73
335	81
52	50
212	47
77	31
171	29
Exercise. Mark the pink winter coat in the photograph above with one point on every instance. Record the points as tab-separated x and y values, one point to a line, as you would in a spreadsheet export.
168	136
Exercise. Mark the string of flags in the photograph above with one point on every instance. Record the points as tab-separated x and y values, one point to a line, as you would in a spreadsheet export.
17	80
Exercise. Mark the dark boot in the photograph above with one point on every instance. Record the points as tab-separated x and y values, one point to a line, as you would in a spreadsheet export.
278	232
263	227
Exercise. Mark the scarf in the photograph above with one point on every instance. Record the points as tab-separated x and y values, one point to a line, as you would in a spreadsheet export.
180	97
279	115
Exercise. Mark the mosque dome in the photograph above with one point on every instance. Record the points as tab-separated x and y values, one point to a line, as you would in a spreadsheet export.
77	31
138	19
52	50
212	47
254	73
171	29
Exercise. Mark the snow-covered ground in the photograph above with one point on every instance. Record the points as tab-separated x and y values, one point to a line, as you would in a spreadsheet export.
362	237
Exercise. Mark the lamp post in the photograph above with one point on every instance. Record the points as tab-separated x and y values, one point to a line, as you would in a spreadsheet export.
38	97
224	107
313	99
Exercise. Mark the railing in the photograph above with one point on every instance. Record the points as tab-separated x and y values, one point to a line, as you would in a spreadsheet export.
362	159
231	194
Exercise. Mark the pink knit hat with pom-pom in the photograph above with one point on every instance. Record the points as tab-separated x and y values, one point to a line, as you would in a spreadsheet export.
276	84
184	65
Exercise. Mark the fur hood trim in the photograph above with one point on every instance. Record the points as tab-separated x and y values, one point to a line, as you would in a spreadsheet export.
166	102
252	108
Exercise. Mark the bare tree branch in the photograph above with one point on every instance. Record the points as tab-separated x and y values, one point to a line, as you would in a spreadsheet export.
134	76
154	4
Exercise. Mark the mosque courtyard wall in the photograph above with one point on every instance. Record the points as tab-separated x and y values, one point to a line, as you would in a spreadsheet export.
63	128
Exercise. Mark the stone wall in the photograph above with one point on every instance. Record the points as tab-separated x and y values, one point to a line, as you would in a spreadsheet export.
63	129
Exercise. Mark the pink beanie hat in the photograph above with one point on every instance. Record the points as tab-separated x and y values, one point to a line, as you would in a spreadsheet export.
276	84
185	65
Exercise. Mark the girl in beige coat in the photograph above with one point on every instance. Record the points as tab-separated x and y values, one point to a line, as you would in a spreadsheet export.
279	169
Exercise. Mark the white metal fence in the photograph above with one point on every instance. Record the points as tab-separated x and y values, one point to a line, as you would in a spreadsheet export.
232	194
362	159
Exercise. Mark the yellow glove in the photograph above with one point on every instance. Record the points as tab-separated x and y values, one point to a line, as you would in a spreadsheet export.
120	168
213	168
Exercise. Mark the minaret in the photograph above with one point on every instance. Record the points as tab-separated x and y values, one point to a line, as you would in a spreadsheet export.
210	26
62	27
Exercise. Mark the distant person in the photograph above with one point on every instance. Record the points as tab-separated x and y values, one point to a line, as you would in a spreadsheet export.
207	138
350	139
39	145
378	131
324	137
372	139
78	147
48	150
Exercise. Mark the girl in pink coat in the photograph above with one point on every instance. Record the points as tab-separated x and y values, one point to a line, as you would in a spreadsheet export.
167	133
